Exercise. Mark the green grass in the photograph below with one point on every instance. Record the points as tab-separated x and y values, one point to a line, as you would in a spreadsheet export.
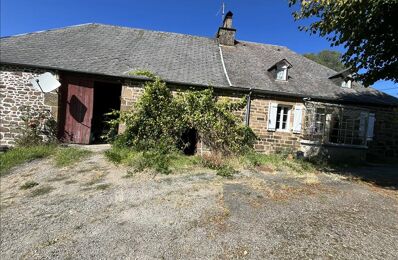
20	155
163	163
277	161
66	156
225	166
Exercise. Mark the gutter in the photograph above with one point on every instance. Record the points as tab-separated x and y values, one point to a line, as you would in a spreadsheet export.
223	65
235	88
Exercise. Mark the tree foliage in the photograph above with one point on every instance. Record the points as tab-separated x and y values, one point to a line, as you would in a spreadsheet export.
330	59
159	119
366	28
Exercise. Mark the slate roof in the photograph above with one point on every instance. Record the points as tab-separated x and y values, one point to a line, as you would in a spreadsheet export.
185	59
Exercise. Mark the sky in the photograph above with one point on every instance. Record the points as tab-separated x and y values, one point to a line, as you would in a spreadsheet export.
264	21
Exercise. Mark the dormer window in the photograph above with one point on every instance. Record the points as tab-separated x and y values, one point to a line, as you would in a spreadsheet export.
343	78
280	70
346	83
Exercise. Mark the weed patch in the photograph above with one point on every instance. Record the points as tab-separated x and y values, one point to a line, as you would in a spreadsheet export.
129	174
226	171
70	155
28	185
103	186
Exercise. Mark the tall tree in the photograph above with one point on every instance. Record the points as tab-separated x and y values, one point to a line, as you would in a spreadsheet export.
368	30
330	59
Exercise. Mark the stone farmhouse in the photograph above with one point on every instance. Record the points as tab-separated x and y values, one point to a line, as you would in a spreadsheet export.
293	102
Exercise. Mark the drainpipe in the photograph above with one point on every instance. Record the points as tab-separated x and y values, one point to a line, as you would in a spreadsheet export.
248	105
223	66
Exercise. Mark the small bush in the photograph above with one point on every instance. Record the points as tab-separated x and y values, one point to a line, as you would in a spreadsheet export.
226	171
38	128
28	185
69	155
19	155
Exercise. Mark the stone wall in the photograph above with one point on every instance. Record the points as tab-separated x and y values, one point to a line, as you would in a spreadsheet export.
385	141
16	92
272	141
269	141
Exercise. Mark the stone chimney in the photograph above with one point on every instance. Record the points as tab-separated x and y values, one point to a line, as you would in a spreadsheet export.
226	34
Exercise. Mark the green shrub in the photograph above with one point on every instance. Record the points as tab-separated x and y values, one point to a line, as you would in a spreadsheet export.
69	155
19	155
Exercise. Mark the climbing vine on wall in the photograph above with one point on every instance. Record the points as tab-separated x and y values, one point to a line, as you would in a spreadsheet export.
159	119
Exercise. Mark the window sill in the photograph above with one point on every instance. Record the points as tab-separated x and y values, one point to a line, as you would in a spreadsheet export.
283	131
308	142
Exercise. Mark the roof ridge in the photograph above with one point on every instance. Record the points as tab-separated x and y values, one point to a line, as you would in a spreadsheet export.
109	25
48	30
259	43
151	30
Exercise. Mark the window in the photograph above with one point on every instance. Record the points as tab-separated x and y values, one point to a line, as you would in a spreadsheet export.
339	125
282	117
279	70
346	83
281	73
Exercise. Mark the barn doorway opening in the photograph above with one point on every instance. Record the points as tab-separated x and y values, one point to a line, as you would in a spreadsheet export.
190	139
106	98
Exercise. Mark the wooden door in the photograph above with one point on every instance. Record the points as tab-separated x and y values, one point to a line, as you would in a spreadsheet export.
79	110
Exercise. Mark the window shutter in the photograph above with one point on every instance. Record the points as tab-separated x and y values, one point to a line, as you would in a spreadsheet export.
298	118
371	125
272	110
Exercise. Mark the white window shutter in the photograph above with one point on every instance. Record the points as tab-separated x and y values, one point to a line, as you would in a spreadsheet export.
298	118
371	125
272	111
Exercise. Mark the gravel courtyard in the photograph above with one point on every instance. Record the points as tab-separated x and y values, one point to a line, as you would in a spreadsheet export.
92	210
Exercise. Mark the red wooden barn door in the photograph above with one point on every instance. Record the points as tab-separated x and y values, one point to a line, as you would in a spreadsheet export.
79	110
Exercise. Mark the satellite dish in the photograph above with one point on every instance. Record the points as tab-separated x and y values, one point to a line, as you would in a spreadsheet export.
45	82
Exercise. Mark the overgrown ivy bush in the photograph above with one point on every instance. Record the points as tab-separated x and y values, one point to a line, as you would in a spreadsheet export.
159	117
158	120
38	127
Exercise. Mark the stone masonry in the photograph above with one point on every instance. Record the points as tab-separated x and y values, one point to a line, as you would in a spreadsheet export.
268	141
16	92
